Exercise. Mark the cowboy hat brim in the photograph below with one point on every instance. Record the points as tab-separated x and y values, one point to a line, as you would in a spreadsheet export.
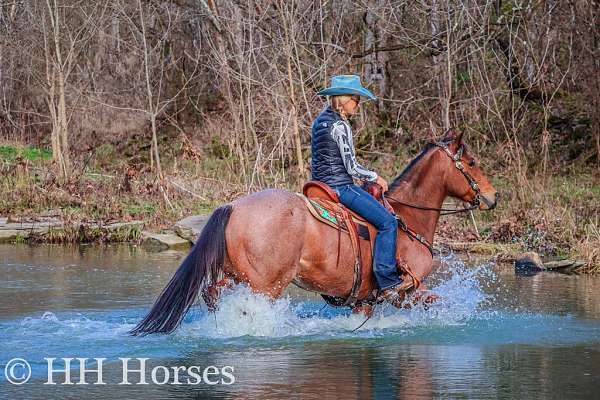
337	91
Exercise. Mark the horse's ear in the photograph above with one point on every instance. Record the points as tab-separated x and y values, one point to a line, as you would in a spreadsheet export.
458	138
452	136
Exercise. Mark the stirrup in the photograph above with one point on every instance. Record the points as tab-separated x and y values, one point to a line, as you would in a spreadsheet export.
406	274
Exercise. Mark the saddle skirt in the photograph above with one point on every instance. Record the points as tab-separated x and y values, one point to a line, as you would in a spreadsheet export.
330	213
323	203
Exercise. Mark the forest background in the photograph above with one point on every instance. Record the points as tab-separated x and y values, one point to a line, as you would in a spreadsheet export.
124	110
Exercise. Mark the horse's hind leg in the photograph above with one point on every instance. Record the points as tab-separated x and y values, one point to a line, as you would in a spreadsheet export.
211	294
264	278
268	275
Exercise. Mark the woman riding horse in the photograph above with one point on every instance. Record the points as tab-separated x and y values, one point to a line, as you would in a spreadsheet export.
334	163
269	239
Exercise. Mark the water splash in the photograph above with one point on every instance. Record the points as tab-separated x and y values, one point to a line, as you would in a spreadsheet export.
242	313
86	328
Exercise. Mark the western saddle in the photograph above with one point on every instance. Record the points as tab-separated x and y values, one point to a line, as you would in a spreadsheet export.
323	203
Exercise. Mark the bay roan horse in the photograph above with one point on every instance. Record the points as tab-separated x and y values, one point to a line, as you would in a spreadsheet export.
269	239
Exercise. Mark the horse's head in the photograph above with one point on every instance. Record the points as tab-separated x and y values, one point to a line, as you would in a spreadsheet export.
464	179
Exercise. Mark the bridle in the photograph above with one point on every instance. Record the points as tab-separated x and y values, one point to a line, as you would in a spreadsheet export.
456	158
459	166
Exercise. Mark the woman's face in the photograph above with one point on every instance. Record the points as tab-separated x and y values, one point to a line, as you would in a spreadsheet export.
351	106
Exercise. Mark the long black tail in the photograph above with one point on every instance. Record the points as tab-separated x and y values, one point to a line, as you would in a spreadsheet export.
200	269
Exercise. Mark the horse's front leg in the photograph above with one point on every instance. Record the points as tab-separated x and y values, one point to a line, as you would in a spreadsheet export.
366	310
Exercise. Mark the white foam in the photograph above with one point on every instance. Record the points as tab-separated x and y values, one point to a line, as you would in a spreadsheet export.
243	313
86	328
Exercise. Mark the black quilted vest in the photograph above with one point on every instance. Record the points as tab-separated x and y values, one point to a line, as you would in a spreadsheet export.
327	164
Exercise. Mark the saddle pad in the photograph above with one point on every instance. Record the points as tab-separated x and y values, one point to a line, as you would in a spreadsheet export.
323	210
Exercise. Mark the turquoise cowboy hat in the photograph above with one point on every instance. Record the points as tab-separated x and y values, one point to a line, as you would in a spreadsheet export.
347	84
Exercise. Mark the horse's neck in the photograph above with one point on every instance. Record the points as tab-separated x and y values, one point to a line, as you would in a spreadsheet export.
425	187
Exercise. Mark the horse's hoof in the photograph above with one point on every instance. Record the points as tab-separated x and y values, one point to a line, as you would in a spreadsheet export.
426	299
395	296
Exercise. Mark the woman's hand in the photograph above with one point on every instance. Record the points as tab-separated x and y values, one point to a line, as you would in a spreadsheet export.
383	183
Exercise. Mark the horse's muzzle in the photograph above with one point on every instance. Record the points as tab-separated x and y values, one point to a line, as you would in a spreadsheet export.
489	202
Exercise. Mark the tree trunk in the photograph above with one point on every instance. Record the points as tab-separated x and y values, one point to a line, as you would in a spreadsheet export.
63	126
442	71
296	128
375	68
286	18
151	107
57	104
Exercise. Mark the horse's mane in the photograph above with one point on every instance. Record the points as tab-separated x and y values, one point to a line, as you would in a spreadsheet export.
406	171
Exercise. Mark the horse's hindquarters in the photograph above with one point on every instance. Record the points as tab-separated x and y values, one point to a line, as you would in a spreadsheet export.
273	240
265	238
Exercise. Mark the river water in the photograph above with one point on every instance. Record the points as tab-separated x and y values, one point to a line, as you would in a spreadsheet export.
493	335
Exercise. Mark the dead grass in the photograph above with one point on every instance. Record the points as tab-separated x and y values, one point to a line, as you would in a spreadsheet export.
556	216
589	248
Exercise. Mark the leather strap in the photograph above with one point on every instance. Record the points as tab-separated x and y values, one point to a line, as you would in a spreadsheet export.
345	222
354	240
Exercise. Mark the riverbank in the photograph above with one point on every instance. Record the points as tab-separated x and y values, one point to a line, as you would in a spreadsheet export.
50	228
112	202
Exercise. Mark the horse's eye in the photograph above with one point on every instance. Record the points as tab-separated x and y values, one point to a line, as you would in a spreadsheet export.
471	163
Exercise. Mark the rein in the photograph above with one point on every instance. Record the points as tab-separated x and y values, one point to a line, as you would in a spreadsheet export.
414	235
443	211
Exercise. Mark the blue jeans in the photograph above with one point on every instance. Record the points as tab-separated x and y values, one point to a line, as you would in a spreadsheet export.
384	262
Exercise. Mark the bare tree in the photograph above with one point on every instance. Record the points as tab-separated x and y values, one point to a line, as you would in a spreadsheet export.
65	29
246	73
